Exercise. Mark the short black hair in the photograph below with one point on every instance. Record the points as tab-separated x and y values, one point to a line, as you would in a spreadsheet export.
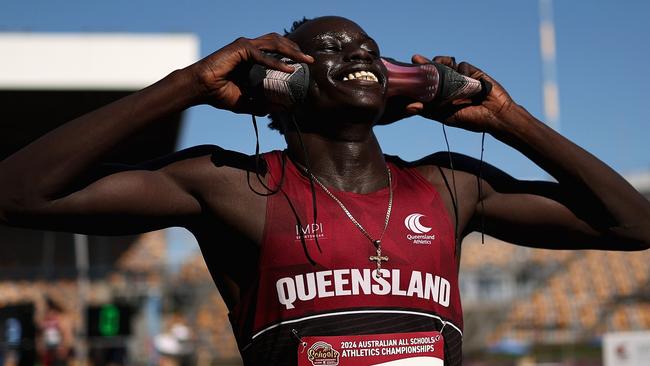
295	25
275	117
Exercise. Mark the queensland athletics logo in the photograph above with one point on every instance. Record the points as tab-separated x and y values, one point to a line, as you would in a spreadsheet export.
420	231
322	354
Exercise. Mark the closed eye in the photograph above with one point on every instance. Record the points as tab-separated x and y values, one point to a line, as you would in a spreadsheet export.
329	48
373	52
371	47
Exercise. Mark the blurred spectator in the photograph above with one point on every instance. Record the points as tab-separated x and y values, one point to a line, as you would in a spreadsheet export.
176	347
56	336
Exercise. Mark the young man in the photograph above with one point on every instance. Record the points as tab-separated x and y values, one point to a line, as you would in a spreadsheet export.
380	254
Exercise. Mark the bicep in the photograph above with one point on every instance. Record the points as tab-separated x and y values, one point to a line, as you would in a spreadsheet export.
125	202
529	213
533	218
532	213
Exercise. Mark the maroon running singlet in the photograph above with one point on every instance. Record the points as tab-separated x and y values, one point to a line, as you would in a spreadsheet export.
305	295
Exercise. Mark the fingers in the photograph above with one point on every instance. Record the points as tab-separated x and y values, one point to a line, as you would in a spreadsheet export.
259	50
470	70
277	44
269	61
448	61
464	68
273	42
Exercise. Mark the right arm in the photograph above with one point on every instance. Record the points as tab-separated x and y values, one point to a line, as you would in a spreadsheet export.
39	183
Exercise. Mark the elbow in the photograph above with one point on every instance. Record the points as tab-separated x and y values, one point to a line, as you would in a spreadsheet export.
628	236
12	208
8	204
9	207
645	242
5	213
638	245
644	227
635	238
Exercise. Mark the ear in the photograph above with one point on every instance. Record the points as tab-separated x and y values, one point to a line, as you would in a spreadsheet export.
283	121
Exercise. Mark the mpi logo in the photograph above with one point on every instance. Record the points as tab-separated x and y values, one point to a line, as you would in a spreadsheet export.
419	233
310	231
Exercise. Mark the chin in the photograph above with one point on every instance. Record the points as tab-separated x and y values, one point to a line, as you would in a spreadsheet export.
360	105
356	114
343	107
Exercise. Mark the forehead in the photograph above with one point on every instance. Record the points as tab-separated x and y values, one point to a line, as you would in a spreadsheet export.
330	26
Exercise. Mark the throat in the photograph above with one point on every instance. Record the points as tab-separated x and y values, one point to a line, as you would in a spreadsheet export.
357	167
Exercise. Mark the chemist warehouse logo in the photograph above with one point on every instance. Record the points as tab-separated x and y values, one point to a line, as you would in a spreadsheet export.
419	234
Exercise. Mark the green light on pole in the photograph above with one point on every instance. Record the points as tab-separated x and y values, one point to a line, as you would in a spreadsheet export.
109	320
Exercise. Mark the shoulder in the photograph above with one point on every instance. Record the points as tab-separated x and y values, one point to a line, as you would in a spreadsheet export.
195	159
205	165
443	163
435	166
443	159
210	155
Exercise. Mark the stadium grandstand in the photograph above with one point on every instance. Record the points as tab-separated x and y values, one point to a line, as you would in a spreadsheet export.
121	276
551	304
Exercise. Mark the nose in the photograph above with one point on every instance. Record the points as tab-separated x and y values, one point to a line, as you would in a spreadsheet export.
356	53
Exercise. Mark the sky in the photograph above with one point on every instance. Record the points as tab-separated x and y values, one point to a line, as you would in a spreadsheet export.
602	53
602	58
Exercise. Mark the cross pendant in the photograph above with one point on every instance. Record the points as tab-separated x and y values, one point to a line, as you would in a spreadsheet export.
378	258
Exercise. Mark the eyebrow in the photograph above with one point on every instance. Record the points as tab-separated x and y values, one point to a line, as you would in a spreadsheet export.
340	36
337	35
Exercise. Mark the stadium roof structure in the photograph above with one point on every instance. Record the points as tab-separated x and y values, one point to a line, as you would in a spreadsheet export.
91	61
47	79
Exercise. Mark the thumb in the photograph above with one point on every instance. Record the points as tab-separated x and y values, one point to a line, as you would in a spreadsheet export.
419	59
414	108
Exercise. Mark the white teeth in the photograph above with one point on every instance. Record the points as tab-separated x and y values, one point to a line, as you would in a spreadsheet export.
361	75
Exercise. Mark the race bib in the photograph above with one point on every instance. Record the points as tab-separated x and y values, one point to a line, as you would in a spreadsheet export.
395	349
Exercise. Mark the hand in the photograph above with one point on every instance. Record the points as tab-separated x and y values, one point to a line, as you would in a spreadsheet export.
397	108
220	75
489	115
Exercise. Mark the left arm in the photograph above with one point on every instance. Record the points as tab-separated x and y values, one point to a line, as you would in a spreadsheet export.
591	206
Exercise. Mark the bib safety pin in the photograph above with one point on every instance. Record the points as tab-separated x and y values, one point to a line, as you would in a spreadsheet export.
302	343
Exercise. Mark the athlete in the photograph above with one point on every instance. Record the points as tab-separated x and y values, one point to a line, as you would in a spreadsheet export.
334	239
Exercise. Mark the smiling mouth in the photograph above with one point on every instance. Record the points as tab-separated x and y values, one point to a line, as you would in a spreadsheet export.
362	75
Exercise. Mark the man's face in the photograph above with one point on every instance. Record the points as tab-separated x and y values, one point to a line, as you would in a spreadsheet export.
348	77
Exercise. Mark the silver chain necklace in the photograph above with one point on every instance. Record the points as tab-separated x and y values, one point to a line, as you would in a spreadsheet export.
378	258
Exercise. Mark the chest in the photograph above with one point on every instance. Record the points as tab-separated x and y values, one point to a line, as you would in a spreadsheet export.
418	233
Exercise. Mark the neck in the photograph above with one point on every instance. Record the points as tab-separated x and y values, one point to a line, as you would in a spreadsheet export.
351	163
